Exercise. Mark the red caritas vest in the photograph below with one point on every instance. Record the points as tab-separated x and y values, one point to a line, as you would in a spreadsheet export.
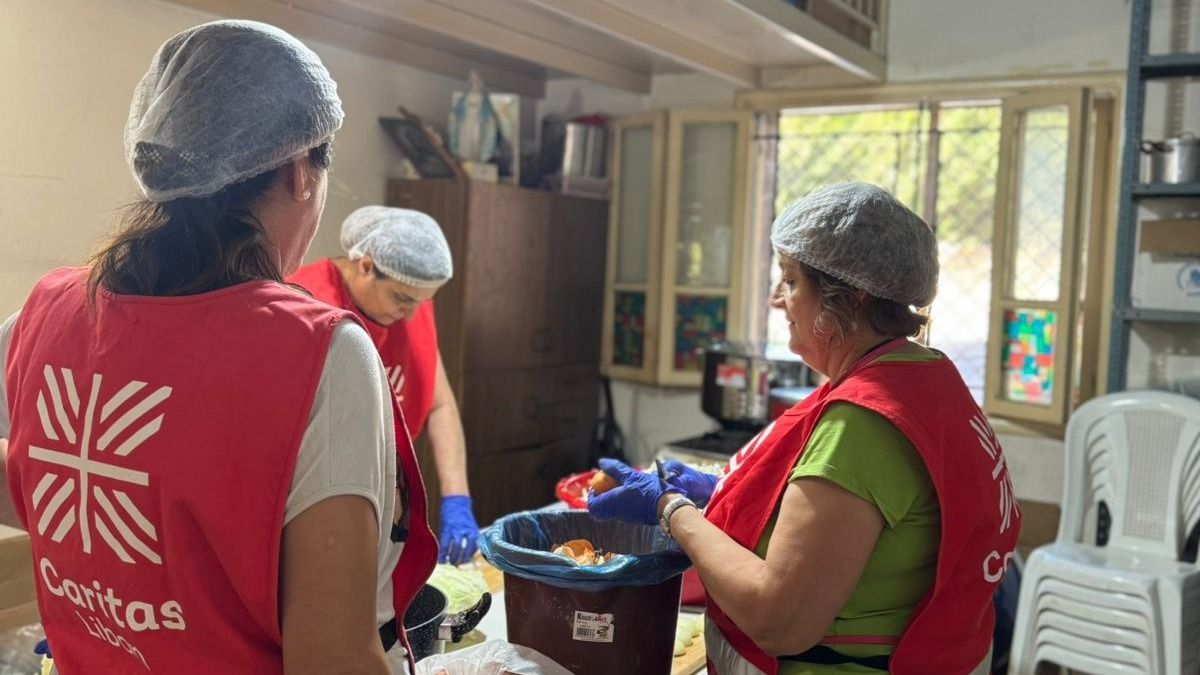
409	348
152	450
951	628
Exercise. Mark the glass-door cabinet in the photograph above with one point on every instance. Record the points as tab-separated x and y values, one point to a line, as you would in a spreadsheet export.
676	241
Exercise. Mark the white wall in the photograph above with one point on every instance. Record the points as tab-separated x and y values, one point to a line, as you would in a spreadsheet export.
67	71
962	39
957	39
1033	38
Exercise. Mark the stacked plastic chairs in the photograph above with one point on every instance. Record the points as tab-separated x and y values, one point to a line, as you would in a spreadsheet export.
1116	593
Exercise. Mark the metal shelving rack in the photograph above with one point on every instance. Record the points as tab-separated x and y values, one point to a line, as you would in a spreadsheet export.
1142	67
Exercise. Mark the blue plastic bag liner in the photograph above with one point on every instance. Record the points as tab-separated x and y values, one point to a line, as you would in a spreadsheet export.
520	544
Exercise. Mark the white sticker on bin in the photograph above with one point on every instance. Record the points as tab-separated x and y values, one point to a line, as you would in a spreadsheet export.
591	627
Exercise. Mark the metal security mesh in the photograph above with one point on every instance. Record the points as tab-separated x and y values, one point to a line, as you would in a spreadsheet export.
883	147
1040	209
955	193
968	154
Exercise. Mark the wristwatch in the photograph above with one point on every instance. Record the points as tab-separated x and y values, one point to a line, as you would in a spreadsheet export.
664	521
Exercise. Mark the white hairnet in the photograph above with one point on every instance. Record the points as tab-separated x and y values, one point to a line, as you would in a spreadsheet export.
864	236
223	102
406	245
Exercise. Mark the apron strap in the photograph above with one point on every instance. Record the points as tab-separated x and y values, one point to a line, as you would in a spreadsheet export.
823	655
388	635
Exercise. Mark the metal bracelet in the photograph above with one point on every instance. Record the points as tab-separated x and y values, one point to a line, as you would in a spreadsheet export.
664	521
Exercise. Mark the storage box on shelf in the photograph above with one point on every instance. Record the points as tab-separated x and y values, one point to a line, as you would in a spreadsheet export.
1164	355
1166	271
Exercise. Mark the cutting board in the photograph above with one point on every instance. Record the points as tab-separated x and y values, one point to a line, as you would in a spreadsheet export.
688	663
692	660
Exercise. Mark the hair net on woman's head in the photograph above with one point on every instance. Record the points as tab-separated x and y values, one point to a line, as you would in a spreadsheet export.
864	236
406	245
223	102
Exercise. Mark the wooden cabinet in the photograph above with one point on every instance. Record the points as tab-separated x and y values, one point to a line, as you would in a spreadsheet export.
519	330
522	478
676	242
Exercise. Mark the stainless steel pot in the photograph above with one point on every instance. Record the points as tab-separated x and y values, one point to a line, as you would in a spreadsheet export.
1154	161
585	147
573	149
1174	160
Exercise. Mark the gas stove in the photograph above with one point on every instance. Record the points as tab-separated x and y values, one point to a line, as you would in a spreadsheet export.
715	446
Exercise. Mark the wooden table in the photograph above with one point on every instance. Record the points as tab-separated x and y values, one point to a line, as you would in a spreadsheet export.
689	663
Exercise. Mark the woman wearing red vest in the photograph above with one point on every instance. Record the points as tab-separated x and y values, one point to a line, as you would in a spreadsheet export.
397	259
173	404
866	529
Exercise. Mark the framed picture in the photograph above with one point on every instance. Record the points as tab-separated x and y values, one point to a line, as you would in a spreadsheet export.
425	152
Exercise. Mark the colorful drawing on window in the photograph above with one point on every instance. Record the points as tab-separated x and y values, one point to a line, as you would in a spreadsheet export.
699	321
629	328
1028	355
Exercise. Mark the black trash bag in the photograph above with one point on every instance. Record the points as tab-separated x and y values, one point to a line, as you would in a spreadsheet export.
520	544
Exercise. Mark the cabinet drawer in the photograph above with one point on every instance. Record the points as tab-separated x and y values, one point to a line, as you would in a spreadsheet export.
524	478
517	408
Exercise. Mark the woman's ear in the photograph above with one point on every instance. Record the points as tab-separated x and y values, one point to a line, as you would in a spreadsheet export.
366	266
297	177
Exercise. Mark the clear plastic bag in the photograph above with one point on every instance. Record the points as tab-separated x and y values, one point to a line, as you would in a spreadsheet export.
494	657
520	544
16	650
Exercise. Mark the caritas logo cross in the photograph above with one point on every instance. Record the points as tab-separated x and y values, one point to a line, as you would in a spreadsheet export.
86	487
83	444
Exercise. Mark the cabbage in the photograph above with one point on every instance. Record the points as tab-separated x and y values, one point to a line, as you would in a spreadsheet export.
462	587
686	630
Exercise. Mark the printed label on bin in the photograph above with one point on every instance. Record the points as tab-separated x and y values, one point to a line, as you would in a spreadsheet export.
593	627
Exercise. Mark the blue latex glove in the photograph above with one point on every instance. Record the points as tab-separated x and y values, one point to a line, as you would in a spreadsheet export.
634	501
695	485
460	532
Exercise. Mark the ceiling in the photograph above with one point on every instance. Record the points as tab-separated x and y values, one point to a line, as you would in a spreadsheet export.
519	45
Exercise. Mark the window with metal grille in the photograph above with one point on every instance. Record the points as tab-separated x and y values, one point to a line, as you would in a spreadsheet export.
941	161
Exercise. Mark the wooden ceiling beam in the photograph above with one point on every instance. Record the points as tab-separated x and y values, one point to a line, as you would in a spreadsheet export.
807	33
307	24
652	37
494	35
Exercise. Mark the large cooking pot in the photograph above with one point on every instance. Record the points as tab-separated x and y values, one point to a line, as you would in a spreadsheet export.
1175	160
576	148
428	627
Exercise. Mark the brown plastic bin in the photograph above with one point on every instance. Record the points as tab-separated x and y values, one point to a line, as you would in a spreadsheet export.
617	618
562	624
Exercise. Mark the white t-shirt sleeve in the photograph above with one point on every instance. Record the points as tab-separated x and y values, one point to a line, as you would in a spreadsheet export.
6	330
349	446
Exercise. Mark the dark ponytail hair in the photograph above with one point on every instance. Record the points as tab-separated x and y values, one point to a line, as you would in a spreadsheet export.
191	245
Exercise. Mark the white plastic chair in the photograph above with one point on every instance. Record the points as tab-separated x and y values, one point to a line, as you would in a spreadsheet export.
1133	604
